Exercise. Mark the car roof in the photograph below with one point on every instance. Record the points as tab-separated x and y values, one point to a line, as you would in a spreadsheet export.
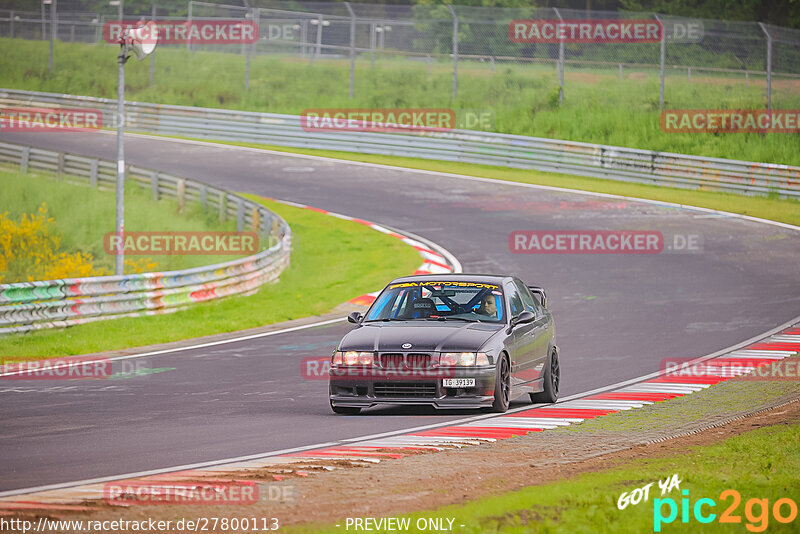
460	277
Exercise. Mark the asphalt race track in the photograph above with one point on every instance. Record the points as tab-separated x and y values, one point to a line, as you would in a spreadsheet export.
617	315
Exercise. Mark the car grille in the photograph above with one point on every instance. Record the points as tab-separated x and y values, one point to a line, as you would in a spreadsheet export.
405	389
418	361
396	360
391	360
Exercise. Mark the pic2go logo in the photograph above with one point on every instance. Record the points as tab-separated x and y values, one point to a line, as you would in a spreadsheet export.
756	511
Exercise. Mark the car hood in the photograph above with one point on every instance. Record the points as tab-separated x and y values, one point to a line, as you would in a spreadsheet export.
424	336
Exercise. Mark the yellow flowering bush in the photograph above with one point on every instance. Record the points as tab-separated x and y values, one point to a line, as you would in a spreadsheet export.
30	250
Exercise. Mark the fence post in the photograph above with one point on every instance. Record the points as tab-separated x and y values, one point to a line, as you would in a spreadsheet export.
318	50
769	66
11	24
373	43
352	46
180	191
26	157
153	54
246	48
455	52
189	20
560	67
53	34
154	185
204	197
661	64
60	167
223	206
620	71
93	173
239	216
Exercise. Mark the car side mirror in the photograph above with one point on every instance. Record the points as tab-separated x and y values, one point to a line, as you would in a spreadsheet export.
526	316
355	317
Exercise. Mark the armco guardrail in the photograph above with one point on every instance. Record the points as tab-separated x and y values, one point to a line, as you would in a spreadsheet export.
57	303
551	155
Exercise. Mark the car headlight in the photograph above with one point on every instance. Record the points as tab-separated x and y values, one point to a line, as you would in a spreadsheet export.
352	357
463	359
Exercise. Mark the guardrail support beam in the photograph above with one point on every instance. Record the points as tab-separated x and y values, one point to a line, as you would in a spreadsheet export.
93	173
239	216
26	156
154	185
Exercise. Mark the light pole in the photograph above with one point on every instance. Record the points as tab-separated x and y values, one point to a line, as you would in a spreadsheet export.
141	42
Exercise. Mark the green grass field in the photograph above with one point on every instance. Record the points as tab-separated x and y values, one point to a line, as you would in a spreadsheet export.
332	261
598	107
761	464
84	215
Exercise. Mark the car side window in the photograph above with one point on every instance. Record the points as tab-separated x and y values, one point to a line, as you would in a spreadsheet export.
527	299
514	301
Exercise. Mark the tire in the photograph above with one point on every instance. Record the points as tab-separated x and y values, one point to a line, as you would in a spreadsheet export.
552	381
345	410
502	386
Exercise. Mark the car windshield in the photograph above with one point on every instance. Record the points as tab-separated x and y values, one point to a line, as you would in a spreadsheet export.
439	300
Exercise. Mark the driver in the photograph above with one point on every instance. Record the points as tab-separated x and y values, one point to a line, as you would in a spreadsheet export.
488	306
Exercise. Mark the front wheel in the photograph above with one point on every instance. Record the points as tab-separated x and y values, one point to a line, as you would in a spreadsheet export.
552	380
502	386
345	410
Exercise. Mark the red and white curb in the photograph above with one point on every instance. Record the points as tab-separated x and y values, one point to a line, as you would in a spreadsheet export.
474	431
434	262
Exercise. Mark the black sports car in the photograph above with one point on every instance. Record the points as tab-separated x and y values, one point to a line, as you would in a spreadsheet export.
450	341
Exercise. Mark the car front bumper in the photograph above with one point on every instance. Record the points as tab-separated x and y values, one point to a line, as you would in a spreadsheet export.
362	388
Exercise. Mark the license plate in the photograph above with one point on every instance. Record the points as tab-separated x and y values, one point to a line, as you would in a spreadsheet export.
458	382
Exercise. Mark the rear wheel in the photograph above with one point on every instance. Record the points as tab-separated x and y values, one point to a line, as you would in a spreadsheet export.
502	386
345	410
552	381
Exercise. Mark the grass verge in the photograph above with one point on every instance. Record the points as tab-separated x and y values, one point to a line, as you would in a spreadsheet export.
765	207
333	260
599	106
760	464
83	215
